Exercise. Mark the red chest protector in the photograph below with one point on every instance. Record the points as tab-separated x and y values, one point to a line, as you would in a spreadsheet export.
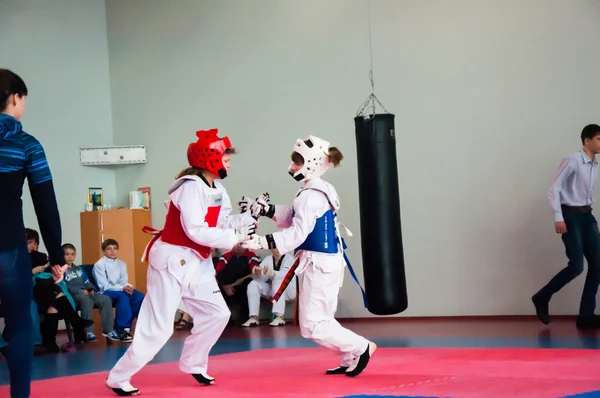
174	234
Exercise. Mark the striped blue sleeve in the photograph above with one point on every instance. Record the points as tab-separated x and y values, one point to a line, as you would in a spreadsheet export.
41	188
36	164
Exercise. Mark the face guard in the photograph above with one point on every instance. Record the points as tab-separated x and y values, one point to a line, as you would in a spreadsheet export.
314	151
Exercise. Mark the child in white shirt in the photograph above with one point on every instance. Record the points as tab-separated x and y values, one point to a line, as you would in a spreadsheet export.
111	277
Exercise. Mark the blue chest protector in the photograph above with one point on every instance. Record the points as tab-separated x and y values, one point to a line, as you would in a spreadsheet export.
324	238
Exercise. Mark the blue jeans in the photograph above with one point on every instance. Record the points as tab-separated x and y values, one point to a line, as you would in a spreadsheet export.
35	320
581	240
35	317
16	294
128	307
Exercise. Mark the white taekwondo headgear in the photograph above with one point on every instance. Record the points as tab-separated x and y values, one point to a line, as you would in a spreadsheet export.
314	151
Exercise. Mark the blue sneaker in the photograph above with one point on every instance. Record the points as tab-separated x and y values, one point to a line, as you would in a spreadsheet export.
112	336
91	337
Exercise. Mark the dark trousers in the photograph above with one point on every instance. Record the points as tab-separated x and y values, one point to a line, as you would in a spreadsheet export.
16	293
581	240
87	303
127	307
240	297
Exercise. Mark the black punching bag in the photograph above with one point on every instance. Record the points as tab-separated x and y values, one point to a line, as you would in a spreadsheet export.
380	228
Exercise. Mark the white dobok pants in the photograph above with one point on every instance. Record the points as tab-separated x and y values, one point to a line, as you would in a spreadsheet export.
317	305
257	289
172	278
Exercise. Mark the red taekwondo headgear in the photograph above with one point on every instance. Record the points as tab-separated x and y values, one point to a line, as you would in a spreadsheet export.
207	153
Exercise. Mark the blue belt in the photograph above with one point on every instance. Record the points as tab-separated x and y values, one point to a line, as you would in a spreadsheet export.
353	273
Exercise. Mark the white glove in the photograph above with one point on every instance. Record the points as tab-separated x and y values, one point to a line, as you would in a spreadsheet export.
262	204
248	204
244	233
245	204
256	242
258	208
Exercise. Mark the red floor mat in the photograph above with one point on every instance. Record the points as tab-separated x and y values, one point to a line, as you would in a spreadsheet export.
286	373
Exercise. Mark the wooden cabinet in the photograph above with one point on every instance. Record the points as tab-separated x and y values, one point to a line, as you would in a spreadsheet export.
124	226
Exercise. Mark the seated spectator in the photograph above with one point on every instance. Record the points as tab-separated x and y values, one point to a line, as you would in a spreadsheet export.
184	320
234	273
266	281
113	281
214	254
84	294
53	300
39	261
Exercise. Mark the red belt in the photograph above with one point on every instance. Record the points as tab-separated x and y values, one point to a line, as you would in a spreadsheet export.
284	284
157	234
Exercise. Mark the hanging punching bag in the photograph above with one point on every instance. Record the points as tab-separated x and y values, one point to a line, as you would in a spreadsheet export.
380	227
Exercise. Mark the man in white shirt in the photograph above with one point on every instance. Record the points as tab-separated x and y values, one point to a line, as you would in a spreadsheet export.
111	277
571	199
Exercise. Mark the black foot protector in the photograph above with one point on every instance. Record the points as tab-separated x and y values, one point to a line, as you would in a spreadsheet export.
363	361
122	393
340	370
203	379
131	391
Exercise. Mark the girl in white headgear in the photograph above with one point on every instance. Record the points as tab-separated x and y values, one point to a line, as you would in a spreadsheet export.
312	230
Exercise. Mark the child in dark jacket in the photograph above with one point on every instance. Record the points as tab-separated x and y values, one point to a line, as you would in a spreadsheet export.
84	293
52	299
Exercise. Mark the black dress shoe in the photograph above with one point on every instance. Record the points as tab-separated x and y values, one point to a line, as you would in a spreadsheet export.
588	322
541	309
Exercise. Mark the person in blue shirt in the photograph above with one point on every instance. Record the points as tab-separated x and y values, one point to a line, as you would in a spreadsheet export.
571	198
22	157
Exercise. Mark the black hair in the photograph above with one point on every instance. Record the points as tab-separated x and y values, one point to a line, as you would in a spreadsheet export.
69	246
589	131
10	83
32	234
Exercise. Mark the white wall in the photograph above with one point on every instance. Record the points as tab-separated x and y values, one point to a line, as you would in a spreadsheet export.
60	49
488	96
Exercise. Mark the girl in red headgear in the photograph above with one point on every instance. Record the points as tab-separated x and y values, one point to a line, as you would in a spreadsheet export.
180	266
